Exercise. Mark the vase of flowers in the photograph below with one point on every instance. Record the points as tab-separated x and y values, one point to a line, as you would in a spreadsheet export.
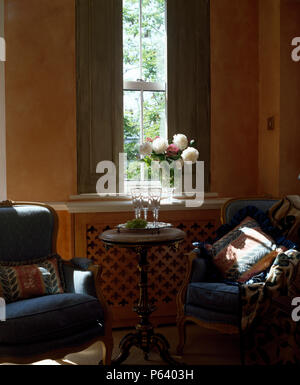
178	150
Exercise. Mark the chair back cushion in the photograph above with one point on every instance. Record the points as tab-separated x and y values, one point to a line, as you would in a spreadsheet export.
234	206
25	232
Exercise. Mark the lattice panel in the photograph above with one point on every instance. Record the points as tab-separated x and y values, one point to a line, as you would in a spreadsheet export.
166	271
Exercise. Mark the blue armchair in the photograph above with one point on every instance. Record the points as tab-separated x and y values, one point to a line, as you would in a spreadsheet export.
49	326
202	298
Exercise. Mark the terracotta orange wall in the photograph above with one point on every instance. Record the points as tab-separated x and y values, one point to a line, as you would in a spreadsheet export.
40	99
269	95
290	101
234	97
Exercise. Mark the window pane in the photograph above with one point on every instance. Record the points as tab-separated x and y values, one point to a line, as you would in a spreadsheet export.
154	114
153	40
144	50
131	39
132	114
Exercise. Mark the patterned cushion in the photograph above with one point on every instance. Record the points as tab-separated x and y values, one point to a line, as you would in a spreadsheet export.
22	280
244	251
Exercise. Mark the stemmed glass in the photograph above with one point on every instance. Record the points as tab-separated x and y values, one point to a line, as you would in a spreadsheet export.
136	195
145	202
155	196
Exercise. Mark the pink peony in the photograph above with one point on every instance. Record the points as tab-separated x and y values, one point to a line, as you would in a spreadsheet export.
172	150
150	140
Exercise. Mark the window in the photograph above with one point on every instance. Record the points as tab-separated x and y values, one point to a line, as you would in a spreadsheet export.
144	76
113	116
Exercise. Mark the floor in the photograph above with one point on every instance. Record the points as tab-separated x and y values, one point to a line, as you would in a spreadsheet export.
203	347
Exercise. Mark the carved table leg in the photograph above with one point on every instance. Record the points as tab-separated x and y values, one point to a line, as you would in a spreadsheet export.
126	344
163	346
144	337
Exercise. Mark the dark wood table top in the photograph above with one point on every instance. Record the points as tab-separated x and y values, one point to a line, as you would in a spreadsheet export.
142	238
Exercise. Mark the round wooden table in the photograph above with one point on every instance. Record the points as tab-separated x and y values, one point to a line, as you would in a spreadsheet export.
140	241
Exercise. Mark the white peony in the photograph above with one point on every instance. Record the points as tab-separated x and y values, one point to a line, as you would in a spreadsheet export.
146	148
181	141
190	154
159	145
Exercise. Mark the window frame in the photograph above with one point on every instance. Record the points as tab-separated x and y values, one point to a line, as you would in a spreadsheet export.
187	91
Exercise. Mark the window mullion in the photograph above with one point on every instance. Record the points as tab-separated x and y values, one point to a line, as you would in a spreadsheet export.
146	86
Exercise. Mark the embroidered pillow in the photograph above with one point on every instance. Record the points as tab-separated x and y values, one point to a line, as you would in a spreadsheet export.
22	280
244	251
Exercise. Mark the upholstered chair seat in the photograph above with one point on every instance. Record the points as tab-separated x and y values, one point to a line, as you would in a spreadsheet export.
213	302
49	318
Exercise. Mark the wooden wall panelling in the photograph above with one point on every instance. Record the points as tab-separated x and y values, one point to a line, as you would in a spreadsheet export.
120	274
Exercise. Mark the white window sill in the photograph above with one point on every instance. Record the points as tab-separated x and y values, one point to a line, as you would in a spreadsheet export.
92	203
120	197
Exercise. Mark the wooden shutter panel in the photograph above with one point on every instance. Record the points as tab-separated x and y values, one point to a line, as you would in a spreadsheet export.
188	30
99	87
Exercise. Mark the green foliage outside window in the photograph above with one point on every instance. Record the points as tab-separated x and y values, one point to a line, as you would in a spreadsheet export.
153	70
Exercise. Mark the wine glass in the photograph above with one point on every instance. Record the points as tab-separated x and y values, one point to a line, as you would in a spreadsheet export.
136	201
145	202
155	197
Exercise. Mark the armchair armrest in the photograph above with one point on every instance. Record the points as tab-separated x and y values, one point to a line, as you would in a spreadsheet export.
199	269
82	263
196	271
79	276
82	276
202	268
